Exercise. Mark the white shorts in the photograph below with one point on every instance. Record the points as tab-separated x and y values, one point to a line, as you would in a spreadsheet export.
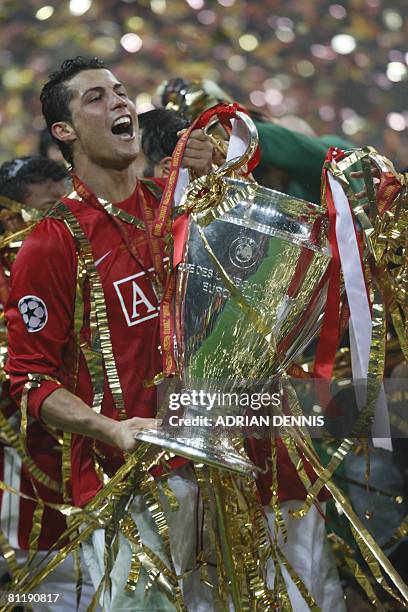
182	531
62	582
308	552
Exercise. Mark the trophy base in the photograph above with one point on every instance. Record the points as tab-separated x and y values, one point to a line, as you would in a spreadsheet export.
217	452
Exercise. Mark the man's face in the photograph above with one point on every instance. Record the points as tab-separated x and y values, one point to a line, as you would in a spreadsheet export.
104	120
43	195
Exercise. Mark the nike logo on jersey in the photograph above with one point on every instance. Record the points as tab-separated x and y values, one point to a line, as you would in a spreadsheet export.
98	261
135	304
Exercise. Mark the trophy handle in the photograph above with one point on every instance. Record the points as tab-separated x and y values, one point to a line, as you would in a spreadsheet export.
238	162
382	163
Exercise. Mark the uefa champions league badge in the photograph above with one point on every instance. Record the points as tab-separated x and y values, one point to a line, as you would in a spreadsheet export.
243	252
34	312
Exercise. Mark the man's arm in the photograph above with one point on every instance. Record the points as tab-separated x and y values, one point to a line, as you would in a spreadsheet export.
45	273
67	412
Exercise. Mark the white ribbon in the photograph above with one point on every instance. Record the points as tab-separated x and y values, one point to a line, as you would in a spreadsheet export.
239	139
237	146
360	315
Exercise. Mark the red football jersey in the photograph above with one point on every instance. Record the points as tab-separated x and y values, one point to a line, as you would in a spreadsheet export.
40	325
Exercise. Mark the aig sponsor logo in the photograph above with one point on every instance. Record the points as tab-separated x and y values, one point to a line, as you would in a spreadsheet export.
135	304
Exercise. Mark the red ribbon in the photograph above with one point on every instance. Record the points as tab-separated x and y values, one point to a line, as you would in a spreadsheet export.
162	226
329	335
388	189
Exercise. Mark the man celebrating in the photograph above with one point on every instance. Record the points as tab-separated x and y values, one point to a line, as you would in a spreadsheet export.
83	311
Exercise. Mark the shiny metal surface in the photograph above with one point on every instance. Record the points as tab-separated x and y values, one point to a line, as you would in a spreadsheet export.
250	296
273	250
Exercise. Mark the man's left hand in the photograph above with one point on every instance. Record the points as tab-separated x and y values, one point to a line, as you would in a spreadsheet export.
198	153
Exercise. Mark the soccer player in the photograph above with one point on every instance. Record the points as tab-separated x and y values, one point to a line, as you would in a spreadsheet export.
103	231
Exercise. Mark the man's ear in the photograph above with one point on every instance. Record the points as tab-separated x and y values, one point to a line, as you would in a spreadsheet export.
163	167
63	131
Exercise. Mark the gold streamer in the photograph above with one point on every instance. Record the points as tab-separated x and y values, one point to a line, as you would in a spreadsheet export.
170	495
374	567
399	533
279	520
153	565
17	443
102	327
35	532
9	554
356	570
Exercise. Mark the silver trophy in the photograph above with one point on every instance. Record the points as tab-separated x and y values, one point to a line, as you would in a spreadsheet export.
250	295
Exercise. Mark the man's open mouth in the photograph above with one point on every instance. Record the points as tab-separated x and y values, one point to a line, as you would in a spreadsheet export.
123	126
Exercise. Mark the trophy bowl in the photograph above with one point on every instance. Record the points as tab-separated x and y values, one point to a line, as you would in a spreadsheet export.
250	293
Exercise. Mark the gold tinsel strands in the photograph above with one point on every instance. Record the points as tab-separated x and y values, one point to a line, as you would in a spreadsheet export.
220	595
365	418
245	536
35	531
97	297
92	353
399	533
224	535
156	569
377	350
365	537
279	520
371	551
99	355
96	514
347	553
390	242
16	237
15	441
199	203
9	554
66	464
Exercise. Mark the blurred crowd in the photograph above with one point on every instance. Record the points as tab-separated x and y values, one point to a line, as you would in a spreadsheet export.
340	65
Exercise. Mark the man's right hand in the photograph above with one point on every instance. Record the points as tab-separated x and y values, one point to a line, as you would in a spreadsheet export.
124	432
67	412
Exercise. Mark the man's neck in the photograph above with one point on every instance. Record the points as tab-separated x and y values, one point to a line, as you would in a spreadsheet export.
108	183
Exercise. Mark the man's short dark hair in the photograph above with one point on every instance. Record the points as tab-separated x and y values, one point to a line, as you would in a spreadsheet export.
18	174
56	96
159	134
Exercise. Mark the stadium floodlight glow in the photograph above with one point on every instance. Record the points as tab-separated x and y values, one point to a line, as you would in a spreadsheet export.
45	12
396	71
396	121
248	42
131	42
196	4
79	7
343	44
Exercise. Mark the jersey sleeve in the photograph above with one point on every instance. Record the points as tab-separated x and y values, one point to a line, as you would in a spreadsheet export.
40	311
